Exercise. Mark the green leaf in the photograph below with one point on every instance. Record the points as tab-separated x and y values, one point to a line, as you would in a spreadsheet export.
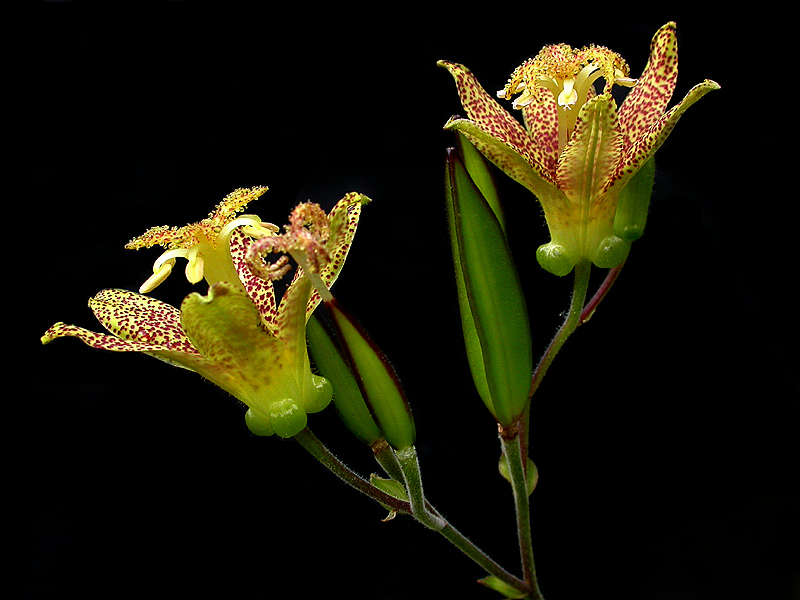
493	583
325	352
376	378
634	202
394	488
494	316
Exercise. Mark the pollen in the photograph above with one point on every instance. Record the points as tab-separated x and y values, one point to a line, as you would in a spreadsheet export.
202	231
567	73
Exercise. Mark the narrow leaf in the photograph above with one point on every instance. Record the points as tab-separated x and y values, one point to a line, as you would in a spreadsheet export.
510	592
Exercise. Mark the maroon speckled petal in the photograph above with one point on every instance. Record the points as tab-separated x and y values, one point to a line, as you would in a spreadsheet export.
261	291
648	99
483	110
138	318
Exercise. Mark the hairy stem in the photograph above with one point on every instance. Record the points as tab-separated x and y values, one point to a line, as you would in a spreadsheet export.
571	322
430	517
512	449
319	451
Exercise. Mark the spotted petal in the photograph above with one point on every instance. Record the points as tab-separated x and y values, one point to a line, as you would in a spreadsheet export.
101	341
138	318
592	155
261	291
139	324
495	121
343	222
648	99
504	156
645	147
541	120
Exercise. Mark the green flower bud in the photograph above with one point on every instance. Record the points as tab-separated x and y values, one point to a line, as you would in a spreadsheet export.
376	378
493	310
347	398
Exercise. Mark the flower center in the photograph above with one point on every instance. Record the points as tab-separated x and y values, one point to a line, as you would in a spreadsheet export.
206	244
569	75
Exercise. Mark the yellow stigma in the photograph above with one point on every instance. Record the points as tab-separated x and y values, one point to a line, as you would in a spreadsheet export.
205	244
569	75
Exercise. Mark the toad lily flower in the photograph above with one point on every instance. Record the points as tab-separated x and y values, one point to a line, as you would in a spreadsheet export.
237	336
577	149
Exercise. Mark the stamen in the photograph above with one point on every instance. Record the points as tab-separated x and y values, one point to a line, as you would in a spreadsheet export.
568	95
194	268
568	74
251	225
158	277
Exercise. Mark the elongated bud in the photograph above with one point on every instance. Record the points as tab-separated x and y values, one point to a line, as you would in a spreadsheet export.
481	174
376	378
347	398
494	315
634	202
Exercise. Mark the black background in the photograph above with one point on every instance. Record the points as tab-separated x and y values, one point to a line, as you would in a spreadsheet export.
665	433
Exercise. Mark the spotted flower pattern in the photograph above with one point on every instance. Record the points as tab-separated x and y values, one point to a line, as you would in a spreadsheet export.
577	149
237	335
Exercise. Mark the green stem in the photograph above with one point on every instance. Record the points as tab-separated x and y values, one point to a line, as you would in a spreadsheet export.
515	442
318	450
428	516
573	319
413	480
387	460
410	471
512	449
480	558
